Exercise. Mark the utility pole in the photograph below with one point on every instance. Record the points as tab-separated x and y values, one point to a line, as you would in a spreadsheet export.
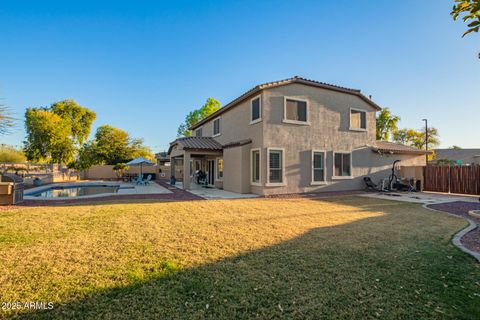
426	140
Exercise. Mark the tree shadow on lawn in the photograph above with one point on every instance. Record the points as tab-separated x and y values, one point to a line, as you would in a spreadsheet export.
359	270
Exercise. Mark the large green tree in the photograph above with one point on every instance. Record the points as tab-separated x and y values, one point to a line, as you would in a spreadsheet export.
47	137
55	134
210	106
78	118
387	124
111	146
417	138
469	10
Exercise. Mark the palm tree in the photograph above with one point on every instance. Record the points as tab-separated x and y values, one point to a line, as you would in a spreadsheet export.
6	121
386	124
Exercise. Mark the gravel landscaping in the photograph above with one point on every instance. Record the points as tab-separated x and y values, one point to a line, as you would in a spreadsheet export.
460	208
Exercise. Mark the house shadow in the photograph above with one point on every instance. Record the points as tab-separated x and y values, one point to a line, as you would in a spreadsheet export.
358	270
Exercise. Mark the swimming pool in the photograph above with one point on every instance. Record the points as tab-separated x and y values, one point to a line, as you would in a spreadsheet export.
76	191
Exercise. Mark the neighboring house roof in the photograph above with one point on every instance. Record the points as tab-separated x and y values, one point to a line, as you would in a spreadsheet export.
284	82
465	155
162	156
197	144
396	148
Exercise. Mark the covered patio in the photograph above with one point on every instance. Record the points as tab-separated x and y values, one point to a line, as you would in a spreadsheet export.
197	162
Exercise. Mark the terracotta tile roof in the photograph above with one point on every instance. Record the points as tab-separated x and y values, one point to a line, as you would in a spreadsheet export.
197	144
397	148
255	90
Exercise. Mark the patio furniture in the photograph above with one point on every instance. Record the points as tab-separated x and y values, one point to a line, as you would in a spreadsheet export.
138	179
140	161
147	180
369	185
200	177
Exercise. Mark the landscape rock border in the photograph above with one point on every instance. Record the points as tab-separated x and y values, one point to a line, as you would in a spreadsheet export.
458	236
474	213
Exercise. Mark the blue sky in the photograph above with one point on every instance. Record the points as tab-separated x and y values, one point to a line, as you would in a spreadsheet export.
142	65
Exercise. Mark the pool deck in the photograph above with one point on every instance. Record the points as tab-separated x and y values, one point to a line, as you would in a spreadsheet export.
169	193
125	189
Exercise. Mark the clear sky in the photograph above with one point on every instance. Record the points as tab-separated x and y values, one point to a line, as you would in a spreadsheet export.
142	65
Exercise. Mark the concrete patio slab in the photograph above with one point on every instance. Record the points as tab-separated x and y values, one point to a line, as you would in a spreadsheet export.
215	194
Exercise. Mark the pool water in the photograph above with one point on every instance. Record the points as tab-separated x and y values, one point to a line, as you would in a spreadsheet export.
76	191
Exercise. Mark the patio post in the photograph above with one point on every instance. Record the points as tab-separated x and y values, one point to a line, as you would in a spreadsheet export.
172	168
186	170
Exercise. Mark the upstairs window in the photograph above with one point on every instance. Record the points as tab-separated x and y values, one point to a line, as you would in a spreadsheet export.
295	111
358	119
256	110
342	164
216	127
199	133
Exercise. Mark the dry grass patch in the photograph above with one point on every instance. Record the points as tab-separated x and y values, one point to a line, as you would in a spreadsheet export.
345	258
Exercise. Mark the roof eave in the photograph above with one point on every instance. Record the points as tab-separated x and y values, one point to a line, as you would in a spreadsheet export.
417	152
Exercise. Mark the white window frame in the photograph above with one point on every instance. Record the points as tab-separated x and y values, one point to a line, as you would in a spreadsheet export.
254	183
285	120
196	130
259	97
218	171
334	177
219	127
275	184
350	120
324	181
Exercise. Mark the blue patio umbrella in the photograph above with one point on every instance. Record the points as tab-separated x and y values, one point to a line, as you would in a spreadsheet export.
140	161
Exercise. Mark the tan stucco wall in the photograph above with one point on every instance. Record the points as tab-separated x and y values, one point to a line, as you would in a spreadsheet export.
328	130
236	174
105	172
298	173
235	126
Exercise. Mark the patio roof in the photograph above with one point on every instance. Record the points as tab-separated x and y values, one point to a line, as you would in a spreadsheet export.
196	144
205	144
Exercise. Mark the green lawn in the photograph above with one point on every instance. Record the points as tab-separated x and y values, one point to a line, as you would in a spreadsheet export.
345	258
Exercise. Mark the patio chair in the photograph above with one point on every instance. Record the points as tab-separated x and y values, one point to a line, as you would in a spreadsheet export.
138	179
369	185
146	181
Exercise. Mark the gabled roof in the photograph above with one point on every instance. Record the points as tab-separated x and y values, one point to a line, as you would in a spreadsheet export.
296	79
395	148
197	144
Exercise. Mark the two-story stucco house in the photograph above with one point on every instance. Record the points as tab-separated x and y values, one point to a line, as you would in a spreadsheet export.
290	136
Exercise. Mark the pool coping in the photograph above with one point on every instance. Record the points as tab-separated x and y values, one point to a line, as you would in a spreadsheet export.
27	194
